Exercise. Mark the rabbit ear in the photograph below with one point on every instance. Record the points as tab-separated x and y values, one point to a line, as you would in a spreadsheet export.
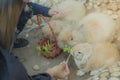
84	59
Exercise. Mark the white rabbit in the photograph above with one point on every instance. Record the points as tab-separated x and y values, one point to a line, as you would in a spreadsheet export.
98	27
90	57
64	36
95	27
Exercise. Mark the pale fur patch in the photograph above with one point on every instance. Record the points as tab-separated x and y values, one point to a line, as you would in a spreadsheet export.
74	10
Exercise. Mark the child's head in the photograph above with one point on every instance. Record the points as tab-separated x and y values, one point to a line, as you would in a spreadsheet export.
9	15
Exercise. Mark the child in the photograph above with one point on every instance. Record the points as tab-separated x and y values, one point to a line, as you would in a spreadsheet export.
10	66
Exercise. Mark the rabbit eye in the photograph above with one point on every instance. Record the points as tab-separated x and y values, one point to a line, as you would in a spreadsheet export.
79	52
71	38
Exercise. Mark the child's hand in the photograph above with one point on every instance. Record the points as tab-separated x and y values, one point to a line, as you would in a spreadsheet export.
53	12
60	71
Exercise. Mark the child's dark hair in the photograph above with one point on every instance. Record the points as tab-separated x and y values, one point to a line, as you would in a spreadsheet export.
9	15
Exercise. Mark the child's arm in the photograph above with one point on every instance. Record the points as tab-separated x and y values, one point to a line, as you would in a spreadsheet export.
39	9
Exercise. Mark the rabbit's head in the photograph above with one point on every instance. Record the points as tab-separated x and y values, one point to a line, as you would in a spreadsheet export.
81	54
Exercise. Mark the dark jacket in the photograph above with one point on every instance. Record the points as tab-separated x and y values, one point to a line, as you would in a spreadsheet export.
35	10
12	69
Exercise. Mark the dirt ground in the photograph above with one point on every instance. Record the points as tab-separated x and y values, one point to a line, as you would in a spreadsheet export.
30	57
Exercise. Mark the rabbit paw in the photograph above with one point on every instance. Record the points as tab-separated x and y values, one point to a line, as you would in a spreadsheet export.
80	73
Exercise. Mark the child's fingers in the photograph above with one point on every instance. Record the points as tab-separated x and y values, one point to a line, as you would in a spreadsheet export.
67	71
62	62
65	68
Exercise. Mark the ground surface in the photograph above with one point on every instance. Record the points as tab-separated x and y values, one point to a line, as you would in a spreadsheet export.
29	54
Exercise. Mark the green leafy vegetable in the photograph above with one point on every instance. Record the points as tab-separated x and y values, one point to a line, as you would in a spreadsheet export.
67	49
39	50
46	48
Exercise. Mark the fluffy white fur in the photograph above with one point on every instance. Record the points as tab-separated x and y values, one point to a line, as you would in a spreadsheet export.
89	57
98	27
95	27
56	25
64	36
77	36
74	10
